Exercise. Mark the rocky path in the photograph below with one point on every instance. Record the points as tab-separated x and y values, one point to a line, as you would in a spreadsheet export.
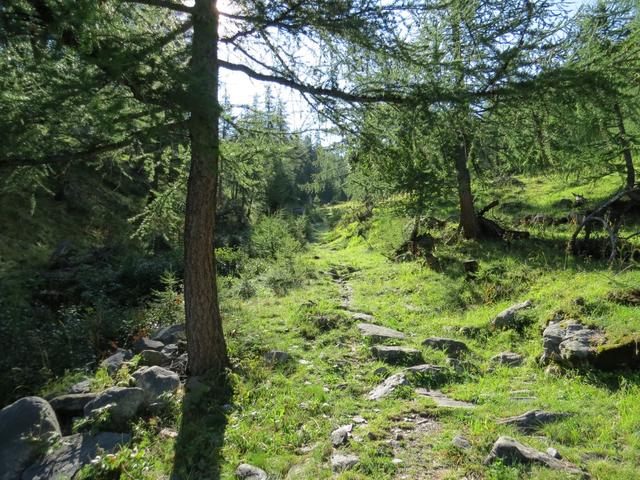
413	435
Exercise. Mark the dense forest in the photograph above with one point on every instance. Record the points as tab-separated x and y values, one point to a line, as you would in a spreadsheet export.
435	277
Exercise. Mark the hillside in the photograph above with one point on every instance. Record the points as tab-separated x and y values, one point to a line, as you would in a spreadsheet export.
308	362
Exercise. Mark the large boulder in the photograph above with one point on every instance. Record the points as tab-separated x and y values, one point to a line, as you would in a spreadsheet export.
75	452
575	345
27	426
70	406
510	452
379	334
156	381
170	334
153	357
145	343
510	318
397	354
121	402
83	386
115	361
72	403
450	346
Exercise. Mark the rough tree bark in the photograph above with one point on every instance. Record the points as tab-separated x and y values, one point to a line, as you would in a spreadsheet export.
626	147
468	217
205	339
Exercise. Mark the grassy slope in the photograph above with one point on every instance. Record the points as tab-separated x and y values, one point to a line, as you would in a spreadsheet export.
281	417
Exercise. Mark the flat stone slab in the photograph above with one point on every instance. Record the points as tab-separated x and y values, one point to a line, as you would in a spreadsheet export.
508	359
378	333
387	387
442	400
533	419
510	452
397	355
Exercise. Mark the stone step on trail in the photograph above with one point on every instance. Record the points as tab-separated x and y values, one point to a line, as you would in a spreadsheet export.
397	354
451	347
442	400
379	333
534	419
402	378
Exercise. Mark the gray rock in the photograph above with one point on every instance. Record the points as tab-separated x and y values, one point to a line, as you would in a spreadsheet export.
153	357
552	452
441	400
363	317
388	386
378	333
397	355
122	404
171	334
156	381
340	435
510	452
509	318
82	387
509	359
572	344
115	361
450	346
75	452
426	369
72	403
171	350
145	343
249	472
460	442
340	462
533	420
381	371
27	426
276	357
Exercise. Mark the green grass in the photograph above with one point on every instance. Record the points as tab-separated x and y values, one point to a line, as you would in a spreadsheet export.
279	418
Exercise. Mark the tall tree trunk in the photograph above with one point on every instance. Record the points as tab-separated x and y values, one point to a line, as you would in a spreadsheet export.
468	218
205	339
626	147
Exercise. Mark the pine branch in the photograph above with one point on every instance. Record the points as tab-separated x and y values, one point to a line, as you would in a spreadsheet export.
176	7
388	97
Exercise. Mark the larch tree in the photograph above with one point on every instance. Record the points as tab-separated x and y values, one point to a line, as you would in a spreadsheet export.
154	66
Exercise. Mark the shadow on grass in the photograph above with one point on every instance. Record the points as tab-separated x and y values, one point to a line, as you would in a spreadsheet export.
201	437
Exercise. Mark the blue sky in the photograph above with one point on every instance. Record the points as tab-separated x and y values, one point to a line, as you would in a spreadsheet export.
242	89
